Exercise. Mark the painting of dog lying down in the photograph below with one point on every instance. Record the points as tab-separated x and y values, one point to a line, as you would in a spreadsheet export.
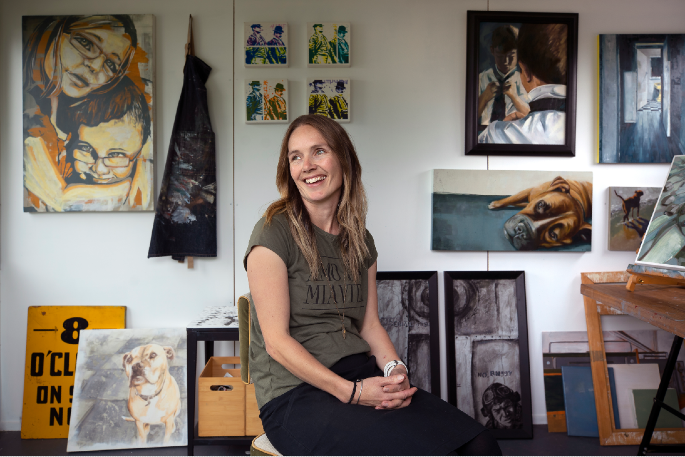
496	210
129	390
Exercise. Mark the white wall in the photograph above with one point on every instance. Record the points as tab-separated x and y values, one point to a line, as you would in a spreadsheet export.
408	94
101	258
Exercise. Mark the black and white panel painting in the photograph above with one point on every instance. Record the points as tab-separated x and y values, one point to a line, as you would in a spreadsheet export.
487	351
404	311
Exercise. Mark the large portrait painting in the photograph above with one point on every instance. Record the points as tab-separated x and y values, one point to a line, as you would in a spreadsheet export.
497	210
130	390
488	370
88	118
640	98
521	83
408	310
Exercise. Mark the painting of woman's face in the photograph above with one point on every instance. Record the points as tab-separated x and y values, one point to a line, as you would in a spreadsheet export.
91	58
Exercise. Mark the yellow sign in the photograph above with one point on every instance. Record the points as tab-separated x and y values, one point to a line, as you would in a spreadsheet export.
51	346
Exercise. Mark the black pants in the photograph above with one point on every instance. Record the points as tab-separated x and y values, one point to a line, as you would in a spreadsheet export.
309	421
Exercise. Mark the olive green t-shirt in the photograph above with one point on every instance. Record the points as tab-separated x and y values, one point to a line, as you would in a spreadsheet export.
314	321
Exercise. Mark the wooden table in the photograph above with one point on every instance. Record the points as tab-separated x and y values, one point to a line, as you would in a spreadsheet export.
660	305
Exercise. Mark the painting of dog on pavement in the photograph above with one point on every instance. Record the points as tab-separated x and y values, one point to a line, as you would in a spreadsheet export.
479	210
129	390
630	209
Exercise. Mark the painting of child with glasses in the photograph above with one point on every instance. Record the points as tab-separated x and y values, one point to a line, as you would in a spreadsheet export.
87	113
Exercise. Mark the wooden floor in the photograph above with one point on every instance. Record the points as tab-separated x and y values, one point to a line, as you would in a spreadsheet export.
645	141
543	443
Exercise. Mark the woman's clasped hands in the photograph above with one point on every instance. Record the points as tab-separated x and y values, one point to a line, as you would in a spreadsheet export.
392	392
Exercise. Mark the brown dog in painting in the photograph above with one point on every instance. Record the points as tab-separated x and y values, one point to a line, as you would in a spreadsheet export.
154	396
554	214
630	204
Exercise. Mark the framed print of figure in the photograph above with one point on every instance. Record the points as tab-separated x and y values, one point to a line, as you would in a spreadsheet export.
488	368
330	97
266	44
328	44
521	83
408	310
88	112
266	101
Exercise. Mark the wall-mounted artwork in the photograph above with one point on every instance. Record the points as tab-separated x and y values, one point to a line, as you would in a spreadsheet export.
408	309
624	347
88	117
330	97
266	101
664	242
266	44
630	209
329	44
479	210
488	370
641	98
130	390
521	83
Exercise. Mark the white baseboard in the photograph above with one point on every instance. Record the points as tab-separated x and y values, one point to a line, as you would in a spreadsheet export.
539	419
10	426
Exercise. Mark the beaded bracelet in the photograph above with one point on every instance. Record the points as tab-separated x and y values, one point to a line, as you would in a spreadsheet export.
354	389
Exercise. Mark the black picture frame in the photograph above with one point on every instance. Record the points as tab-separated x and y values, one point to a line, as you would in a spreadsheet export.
415	316
476	281
473	49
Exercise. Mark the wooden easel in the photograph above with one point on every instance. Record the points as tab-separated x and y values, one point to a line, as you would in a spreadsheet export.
640	274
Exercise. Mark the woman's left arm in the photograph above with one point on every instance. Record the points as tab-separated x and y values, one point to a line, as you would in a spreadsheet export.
381	347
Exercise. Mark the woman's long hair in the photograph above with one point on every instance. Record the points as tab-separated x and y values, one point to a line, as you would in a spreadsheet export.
49	32
351	212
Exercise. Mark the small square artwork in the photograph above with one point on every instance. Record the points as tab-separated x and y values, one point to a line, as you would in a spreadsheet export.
130	390
266	44
640	97
663	245
408	310
329	44
266	101
488	370
498	210
88	119
630	209
330	97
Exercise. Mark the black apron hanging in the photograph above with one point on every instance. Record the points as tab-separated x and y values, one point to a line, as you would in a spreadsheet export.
185	218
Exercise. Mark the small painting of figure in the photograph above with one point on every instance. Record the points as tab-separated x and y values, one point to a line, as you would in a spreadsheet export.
330	98
329	44
88	121
640	108
266	44
129	390
630	209
478	210
266	101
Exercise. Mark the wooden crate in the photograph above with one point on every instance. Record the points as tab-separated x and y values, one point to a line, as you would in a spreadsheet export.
226	413
221	413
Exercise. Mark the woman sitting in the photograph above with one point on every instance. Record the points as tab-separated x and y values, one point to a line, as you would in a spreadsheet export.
328	379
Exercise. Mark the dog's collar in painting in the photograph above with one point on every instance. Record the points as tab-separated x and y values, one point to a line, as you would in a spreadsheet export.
149	398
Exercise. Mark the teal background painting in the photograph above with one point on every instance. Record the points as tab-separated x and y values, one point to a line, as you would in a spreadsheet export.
463	222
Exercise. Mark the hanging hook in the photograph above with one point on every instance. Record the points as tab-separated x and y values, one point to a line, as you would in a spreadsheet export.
190	47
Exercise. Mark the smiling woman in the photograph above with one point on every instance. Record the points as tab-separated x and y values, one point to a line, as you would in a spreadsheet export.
326	373
87	116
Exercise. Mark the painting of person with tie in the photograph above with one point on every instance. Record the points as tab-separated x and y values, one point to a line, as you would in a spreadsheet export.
338	103
500	91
